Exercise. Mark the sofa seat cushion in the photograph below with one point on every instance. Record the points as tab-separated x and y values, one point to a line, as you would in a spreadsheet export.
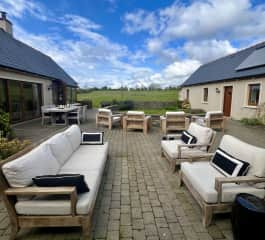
39	161
73	135
61	147
135	113
87	157
60	205
201	176
170	147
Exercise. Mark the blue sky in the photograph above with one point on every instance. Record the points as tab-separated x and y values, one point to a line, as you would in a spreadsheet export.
135	43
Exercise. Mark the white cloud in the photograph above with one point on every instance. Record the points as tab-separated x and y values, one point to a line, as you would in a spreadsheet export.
134	22
202	19
18	8
207	50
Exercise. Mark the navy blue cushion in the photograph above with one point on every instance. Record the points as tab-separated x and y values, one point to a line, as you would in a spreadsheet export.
188	138
62	180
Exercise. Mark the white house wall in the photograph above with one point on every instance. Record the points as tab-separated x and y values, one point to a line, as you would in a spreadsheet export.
239	108
47	94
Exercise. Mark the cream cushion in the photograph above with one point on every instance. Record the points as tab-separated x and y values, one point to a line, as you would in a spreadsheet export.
203	134
201	176
73	135
180	113
135	113
87	157
170	147
105	110
208	114
88	160
255	156
39	161
116	119
61	147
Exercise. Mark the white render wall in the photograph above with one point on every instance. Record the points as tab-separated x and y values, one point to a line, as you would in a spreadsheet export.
47	94
239	107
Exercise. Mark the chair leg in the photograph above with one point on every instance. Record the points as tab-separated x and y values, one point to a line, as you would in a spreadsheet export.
207	216
180	182
86	228
13	232
173	163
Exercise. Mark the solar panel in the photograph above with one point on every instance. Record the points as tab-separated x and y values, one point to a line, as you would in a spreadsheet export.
255	59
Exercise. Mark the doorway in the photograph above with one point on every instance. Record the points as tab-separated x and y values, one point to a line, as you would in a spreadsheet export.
228	91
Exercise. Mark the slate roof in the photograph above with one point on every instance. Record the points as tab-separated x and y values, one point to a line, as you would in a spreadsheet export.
224	68
19	56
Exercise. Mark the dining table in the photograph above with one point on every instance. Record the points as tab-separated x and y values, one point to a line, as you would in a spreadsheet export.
59	113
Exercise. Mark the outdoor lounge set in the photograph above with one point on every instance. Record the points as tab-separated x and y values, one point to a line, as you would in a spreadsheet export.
47	203
214	179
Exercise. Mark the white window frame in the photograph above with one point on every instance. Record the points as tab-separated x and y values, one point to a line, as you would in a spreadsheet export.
246	105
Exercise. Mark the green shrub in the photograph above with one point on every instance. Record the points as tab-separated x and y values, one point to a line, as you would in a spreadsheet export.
251	121
5	128
8	148
186	104
126	105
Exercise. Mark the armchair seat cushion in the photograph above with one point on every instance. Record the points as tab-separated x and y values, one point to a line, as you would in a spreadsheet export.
116	119
201	176
170	147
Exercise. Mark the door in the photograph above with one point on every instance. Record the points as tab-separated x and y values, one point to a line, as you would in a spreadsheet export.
227	100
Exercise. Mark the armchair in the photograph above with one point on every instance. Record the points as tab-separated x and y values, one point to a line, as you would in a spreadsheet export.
215	192
174	121
212	119
105	117
176	151
137	120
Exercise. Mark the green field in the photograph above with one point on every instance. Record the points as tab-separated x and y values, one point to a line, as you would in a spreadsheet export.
142	96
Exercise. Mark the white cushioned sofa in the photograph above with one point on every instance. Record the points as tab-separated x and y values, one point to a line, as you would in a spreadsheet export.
215	192
30	206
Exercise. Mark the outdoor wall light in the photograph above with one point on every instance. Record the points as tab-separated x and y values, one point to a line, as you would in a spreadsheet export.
217	90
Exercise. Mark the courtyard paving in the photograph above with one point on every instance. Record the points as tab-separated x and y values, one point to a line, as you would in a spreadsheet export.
139	197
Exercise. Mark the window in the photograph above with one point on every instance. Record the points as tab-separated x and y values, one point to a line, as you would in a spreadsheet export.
205	95
188	94
253	94
3	97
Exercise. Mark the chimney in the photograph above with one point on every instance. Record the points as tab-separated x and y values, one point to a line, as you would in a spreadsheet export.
5	24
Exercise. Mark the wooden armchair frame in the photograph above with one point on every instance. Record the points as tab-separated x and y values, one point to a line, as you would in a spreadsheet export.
208	209
9	197
173	162
214	121
174	122
137	121
107	119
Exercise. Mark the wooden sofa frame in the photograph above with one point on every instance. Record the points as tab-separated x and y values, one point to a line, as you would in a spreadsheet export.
173	162
174	123
10	194
106	119
136	121
208	209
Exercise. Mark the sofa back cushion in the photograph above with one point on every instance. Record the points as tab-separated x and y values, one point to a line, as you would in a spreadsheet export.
203	134
180	113
73	134
39	161
61	147
255	156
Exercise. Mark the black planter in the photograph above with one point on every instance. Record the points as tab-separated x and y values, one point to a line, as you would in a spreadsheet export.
248	217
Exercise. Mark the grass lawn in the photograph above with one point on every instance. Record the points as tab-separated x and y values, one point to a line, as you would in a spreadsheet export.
108	95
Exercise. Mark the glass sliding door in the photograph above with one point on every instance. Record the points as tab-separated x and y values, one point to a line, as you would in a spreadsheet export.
15	101
3	96
25	100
